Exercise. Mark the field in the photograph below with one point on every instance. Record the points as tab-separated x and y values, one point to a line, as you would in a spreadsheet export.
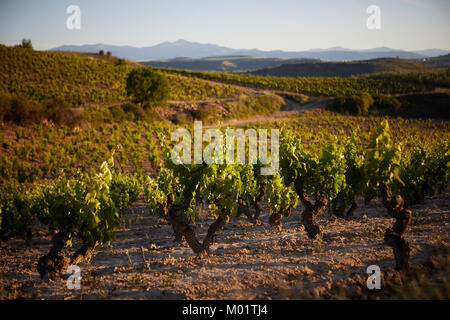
104	193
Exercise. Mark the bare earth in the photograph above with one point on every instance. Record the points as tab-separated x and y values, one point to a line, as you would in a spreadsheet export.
247	261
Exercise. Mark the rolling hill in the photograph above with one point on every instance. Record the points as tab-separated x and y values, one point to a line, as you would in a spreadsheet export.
441	61
226	64
341	69
86	78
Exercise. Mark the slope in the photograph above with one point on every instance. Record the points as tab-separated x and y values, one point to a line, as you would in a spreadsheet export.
86	78
341	69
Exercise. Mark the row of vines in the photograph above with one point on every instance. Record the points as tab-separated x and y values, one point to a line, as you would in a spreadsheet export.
394	83
86	206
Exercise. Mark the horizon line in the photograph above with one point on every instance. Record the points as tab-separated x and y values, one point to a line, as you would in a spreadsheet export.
338	48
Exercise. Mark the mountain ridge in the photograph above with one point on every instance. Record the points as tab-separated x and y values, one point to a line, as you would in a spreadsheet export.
195	50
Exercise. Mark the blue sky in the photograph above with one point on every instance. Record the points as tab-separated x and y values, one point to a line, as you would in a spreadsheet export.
264	24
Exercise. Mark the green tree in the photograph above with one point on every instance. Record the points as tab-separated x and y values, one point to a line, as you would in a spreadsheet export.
26	43
147	87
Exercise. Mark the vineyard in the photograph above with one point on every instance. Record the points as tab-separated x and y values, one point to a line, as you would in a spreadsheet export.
44	76
42	150
384	83
350	191
79	198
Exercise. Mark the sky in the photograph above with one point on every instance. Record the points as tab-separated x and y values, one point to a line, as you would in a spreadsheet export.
290	25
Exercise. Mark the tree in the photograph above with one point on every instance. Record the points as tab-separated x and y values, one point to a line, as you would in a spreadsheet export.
101	52
26	44
147	87
108	54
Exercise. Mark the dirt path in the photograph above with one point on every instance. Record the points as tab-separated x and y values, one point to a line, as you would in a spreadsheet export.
291	108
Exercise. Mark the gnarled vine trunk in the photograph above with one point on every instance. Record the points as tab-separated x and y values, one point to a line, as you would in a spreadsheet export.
164	208
394	236
215	227
338	209
177	217
81	254
55	261
257	204
244	208
351	210
275	217
180	224
311	212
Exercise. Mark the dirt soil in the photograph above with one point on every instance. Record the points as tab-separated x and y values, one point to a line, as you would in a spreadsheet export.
247	261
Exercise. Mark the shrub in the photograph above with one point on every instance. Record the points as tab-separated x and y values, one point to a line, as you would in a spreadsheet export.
54	108
249	105
364	102
20	110
182	118
384	102
60	112
132	112
147	87
98	115
120	62
135	112
357	104
118	114
154	116
5	107
202	114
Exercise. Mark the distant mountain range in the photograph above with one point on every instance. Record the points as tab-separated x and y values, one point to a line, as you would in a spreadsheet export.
183	48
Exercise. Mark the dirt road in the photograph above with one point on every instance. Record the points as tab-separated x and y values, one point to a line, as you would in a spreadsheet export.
291	108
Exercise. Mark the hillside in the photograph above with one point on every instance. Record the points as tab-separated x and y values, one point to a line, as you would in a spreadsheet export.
227	64
392	83
46	79
341	69
86	78
441	61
